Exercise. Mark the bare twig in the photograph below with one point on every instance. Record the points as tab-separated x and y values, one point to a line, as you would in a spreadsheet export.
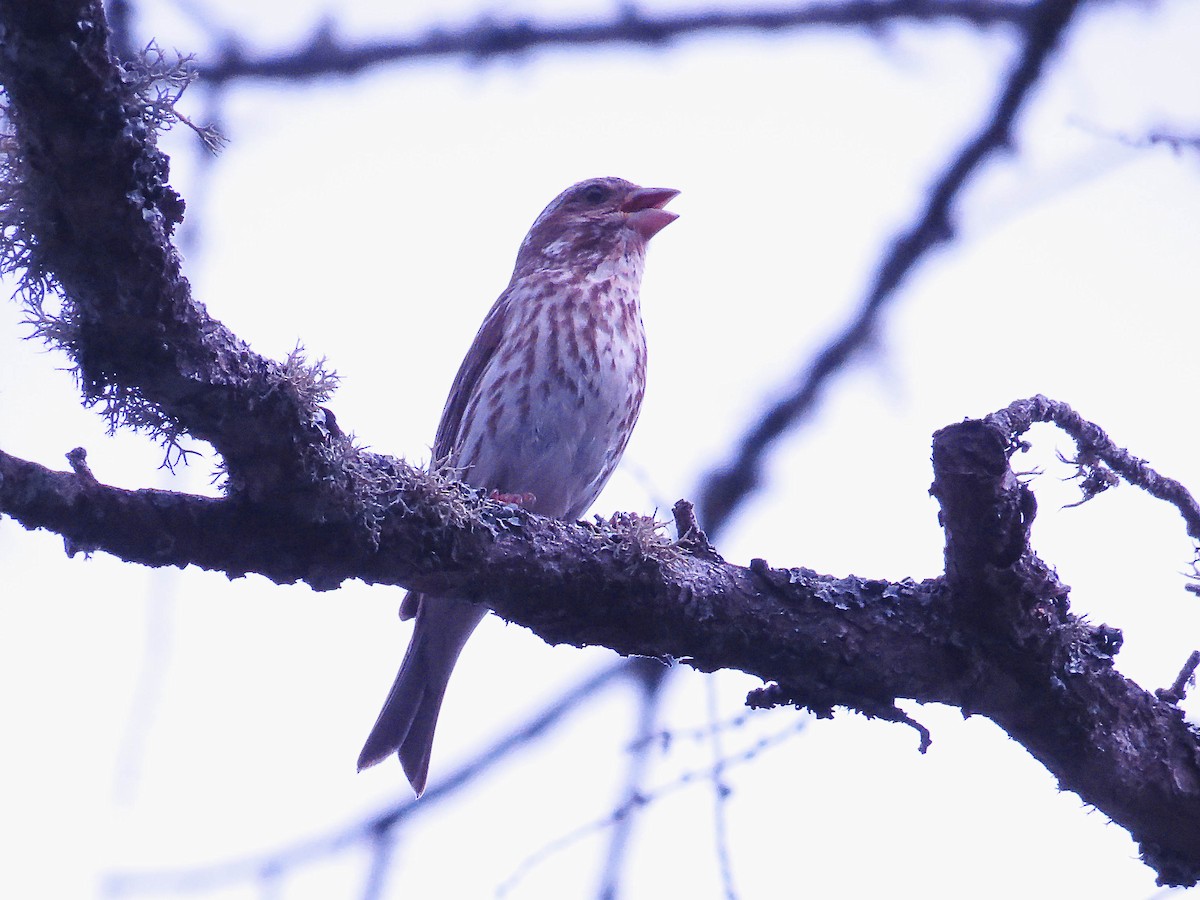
669	736
650	675
1097	449
382	848
1174	139
1187	675
721	792
325	53
1177	142
677	783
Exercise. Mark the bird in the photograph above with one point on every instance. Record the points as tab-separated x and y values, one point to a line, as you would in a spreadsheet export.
539	413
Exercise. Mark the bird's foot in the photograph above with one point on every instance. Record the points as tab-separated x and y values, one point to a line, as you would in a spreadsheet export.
523	500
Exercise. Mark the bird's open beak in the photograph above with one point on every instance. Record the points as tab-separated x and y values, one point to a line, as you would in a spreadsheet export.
645	213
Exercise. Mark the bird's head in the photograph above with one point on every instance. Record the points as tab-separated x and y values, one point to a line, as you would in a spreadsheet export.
591	220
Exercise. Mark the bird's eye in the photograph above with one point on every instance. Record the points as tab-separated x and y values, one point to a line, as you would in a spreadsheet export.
595	194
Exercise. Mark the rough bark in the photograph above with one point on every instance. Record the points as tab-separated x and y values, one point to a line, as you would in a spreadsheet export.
93	196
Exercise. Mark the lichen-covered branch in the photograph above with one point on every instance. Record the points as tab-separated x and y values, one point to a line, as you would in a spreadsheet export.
88	202
1100	460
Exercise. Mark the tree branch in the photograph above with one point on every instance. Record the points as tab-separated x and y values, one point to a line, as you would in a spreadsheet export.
1049	681
326	54
87	192
995	636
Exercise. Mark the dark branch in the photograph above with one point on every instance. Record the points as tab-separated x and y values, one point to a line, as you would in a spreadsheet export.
1096	449
1176	140
1187	675
650	676
486	39
726	488
994	636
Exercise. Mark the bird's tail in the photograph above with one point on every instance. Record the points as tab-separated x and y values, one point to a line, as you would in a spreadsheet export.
406	724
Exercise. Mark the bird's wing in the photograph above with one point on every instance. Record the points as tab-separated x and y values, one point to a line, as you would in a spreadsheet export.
483	348
445	444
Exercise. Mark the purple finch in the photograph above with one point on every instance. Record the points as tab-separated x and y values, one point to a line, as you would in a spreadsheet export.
540	411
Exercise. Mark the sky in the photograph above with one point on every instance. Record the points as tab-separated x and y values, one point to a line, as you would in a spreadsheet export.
162	720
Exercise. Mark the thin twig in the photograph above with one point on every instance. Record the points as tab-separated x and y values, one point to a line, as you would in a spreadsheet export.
702	733
721	792
651	675
1176	141
1095	449
678	783
1187	675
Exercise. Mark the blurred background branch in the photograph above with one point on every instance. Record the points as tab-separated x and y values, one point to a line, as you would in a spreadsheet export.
325	53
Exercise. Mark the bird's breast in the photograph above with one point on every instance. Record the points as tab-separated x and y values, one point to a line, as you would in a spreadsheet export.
560	400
